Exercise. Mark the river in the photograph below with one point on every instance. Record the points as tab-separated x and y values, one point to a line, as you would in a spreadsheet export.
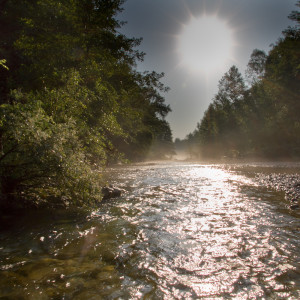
180	231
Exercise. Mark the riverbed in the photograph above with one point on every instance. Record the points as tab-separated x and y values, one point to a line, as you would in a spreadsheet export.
179	231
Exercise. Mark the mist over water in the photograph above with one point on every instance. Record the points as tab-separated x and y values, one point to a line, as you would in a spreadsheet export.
181	231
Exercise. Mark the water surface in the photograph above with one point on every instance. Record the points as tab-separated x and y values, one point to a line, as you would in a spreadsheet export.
180	231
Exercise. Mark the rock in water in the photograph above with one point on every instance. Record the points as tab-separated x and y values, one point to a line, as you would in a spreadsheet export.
294	206
110	192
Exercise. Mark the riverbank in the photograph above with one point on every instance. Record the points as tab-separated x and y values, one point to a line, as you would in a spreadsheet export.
288	183
282	176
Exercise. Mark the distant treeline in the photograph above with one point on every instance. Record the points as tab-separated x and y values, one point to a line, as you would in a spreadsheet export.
259	117
71	101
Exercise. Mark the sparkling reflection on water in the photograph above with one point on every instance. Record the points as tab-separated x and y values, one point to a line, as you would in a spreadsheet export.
181	231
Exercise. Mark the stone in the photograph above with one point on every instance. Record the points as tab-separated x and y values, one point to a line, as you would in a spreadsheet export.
294	206
111	192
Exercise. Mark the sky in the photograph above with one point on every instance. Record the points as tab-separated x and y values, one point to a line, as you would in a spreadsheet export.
194	42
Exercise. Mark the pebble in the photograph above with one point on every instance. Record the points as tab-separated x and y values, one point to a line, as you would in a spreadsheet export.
288	183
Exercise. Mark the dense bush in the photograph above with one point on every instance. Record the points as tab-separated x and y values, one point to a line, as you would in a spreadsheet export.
43	162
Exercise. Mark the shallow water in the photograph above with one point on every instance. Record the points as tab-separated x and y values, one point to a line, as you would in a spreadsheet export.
181	231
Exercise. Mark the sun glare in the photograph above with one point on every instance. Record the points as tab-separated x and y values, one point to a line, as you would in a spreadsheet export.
205	45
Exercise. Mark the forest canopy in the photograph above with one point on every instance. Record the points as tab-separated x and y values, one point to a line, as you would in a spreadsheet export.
71	101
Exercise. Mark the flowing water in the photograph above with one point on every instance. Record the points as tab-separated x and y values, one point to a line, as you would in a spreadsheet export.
180	231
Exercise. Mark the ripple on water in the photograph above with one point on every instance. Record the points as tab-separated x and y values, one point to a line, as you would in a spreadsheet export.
181	231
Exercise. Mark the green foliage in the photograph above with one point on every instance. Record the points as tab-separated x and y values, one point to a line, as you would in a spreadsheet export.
3	64
162	146
43	162
221	125
71	101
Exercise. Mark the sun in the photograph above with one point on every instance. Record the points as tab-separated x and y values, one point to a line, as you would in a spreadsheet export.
205	45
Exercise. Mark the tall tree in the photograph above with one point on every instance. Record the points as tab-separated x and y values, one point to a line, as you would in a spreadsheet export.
231	87
256	66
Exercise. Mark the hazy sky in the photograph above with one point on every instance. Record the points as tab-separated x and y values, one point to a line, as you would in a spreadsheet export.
224	33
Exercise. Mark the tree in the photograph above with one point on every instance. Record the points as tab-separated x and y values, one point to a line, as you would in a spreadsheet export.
263	120
256	66
162	146
69	57
231	87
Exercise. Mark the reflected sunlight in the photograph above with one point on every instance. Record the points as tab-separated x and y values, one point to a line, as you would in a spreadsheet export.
209	172
205	45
